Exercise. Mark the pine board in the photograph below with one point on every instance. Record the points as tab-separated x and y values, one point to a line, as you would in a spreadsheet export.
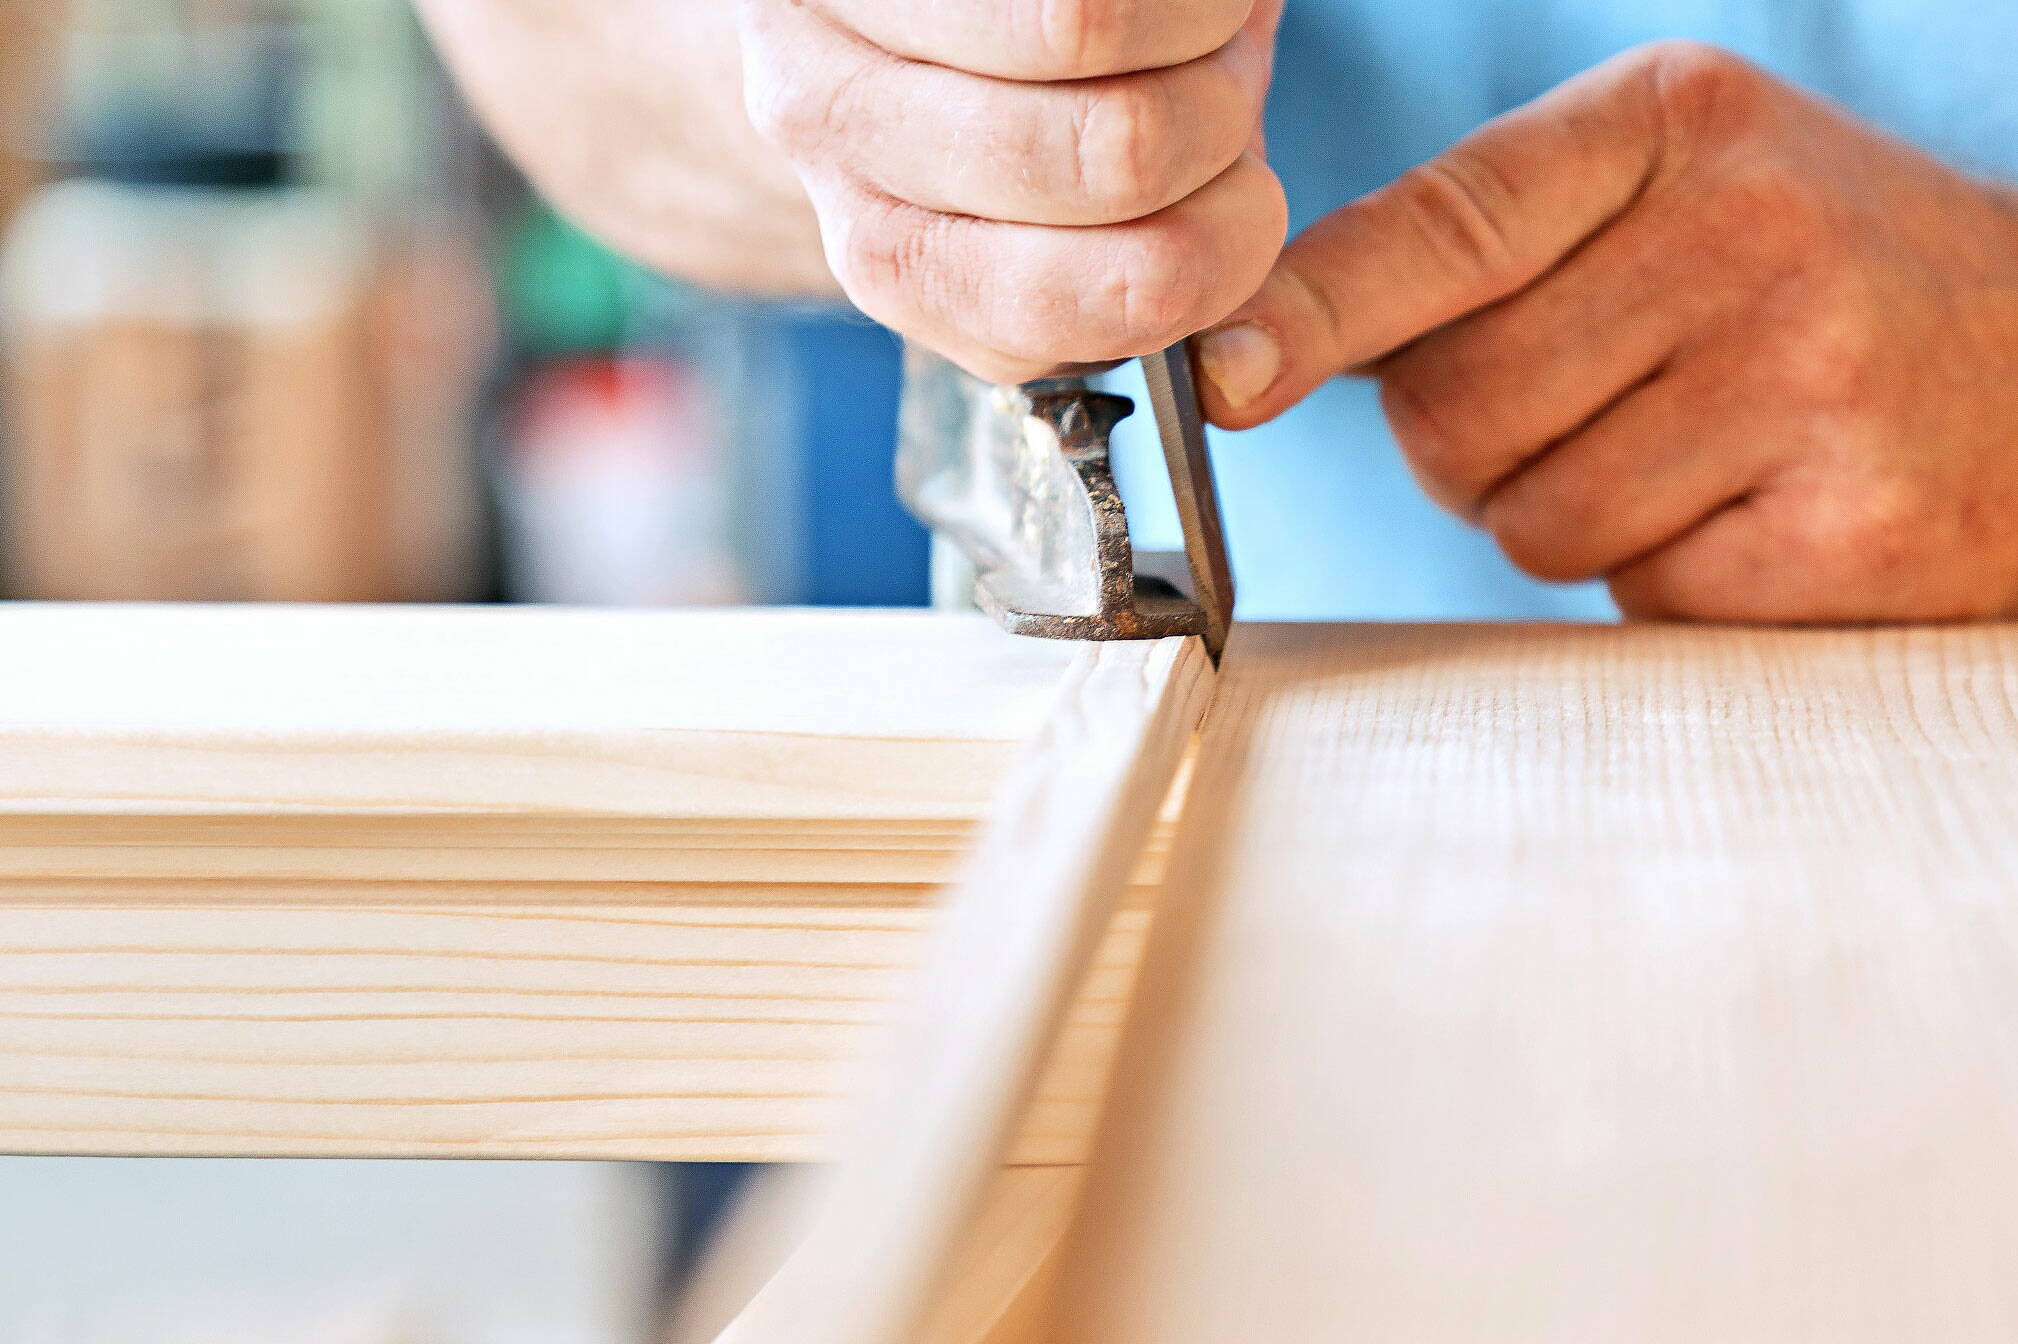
650	1029
917	1215
1529	984
1642	848
464	882
828	719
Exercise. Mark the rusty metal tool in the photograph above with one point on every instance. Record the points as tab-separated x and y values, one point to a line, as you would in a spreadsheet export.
1019	479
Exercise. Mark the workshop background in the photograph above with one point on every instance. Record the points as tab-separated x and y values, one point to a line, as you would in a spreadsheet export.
281	325
276	323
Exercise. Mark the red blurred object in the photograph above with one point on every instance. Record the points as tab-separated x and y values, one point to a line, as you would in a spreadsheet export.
614	488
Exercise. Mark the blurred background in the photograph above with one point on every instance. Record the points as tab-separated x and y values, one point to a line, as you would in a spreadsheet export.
277	324
280	325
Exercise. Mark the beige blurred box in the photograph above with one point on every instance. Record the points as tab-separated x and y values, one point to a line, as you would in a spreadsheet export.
217	395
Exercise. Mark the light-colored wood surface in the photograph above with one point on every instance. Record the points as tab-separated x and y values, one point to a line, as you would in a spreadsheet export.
484	882
1001	1273
1520	985
1046	880
643	1029
1535	930
251	716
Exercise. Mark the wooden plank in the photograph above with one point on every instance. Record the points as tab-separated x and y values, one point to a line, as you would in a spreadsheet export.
1046	881
1680	773
651	1029
1001	1268
363	714
247	749
483	882
1575	984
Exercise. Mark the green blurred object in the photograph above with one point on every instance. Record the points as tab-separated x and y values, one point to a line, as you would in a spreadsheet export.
564	293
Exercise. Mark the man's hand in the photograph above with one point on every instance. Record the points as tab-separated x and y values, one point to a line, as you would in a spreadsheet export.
1025	184
1682	326
628	114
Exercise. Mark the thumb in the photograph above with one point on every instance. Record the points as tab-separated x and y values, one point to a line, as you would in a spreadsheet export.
1486	219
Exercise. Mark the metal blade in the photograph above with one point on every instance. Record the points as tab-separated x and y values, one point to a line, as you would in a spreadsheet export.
1181	425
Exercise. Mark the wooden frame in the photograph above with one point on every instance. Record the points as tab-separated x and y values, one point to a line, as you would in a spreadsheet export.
393	882
1672	961
1516	984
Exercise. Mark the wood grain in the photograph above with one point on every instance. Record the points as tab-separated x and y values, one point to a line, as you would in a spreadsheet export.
1047	879
653	1029
484	883
1540	933
283	713
1521	985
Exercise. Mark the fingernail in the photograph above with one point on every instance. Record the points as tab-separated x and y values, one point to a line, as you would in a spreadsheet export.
1242	361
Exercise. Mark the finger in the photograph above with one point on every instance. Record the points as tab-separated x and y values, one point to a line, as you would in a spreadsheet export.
1664	458
1047	39
1483	221
1811	545
1010	301
1474	400
1095	151
1734	567
1701	575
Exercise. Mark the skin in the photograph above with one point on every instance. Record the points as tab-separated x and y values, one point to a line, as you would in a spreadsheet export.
1683	327
1677	324
628	115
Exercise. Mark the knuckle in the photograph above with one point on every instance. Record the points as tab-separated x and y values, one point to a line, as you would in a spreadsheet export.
1160	291
1123	147
1154	295
1534	539
1082	39
1863	534
1542	520
771	103
1888	527
884	249
1538	529
1458	206
796	110
1829	361
1703	87
1076	38
1541	555
1002	369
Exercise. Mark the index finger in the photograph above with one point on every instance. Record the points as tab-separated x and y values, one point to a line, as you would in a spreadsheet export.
1479	223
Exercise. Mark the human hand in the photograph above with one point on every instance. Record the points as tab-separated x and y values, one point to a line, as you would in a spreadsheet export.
628	116
1679	325
1027	184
